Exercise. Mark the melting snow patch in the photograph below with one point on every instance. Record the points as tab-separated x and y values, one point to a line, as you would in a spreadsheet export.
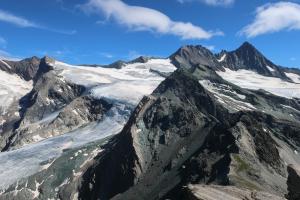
222	58
270	68
7	65
265	130
222	92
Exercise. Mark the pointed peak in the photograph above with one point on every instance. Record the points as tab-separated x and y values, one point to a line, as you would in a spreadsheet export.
247	46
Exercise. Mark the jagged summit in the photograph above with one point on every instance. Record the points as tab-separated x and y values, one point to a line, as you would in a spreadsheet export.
249	58
190	56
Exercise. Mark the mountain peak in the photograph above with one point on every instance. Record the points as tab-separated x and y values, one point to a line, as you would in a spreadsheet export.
248	47
189	56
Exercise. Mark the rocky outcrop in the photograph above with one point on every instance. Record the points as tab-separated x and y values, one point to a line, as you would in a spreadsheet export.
213	192
27	68
293	183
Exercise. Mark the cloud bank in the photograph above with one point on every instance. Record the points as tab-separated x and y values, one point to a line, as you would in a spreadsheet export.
138	18
274	17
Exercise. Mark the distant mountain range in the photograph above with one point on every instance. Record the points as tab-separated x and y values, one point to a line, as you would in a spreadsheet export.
195	125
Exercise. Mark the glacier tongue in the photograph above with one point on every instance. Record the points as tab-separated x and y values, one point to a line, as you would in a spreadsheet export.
12	162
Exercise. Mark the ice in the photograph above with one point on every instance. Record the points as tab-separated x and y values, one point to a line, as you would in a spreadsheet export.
252	80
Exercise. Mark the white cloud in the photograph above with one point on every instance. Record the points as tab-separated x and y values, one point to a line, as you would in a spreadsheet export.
19	21
274	17
146	19
25	23
211	2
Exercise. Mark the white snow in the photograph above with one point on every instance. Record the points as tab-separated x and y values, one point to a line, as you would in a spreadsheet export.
12	88
220	91
252	80
222	58
37	138
270	68
128	84
7	65
296	152
294	77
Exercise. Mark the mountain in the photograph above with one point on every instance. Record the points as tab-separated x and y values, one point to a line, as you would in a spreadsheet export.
249	58
195	125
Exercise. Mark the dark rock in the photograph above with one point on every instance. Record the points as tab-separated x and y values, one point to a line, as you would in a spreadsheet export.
293	183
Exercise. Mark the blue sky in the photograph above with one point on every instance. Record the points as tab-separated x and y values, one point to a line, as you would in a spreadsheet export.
102	31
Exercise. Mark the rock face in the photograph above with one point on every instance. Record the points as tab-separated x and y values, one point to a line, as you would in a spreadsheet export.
190	56
293	183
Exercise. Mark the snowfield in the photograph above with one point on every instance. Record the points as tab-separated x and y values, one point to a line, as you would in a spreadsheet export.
252	80
128	84
12	88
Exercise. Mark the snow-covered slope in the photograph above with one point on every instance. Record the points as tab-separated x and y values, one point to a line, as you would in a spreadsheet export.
128	84
252	80
12	88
